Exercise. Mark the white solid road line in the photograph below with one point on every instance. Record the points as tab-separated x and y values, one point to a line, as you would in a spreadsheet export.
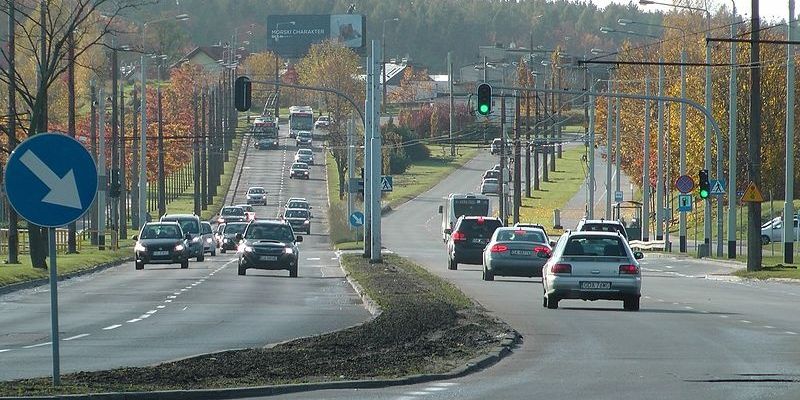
76	337
37	345
115	326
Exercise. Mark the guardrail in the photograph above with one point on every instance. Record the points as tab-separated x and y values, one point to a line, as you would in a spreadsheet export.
648	245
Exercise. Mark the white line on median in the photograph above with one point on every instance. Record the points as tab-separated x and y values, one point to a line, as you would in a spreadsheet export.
115	326
312	259
76	337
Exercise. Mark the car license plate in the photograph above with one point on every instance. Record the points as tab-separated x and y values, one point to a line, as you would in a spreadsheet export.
161	253
480	241
269	258
595	285
521	252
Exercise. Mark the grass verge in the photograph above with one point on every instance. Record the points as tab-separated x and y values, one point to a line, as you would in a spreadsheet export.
427	326
775	270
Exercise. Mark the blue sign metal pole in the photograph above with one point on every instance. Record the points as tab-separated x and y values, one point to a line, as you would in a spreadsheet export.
54	307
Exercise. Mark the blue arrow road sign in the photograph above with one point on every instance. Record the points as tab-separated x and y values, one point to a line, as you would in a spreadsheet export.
357	218
51	179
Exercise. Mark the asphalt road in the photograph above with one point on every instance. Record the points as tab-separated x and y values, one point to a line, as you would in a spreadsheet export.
122	317
699	334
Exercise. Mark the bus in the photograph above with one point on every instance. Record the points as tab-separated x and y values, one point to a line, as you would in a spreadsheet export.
458	204
301	118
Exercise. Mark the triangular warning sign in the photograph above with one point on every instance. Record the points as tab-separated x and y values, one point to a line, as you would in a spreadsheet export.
386	187
752	194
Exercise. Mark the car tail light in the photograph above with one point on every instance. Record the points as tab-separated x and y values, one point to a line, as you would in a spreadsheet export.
628	269
459	236
561	269
499	248
541	249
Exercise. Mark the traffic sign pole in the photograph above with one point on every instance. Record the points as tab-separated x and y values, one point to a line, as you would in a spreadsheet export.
54	307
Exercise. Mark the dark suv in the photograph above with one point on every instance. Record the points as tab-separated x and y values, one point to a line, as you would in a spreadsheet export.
601	225
269	245
190	224
468	238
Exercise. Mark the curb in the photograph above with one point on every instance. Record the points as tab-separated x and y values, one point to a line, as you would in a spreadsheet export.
15	287
369	304
473	365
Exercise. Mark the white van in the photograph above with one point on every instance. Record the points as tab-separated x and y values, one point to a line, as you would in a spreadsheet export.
772	231
458	204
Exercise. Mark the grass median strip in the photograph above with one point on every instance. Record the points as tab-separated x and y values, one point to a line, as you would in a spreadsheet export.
426	326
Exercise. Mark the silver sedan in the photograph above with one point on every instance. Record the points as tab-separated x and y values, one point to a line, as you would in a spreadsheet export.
515	251
490	186
592	266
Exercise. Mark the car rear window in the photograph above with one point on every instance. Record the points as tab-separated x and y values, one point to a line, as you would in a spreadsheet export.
602	246
519	235
232	211
298	205
474	229
603	228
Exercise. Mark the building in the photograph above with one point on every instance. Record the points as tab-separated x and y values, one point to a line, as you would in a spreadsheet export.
210	58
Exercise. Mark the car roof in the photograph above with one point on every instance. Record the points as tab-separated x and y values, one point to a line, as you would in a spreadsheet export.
162	223
594	233
601	221
231	207
268	222
169	216
475	217
255	187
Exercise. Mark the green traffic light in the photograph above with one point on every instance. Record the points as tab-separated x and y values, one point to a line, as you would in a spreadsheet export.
704	194
483	109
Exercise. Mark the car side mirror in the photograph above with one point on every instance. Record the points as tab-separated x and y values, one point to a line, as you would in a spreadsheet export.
239	237
638	255
135	237
299	239
441	209
448	231
552	243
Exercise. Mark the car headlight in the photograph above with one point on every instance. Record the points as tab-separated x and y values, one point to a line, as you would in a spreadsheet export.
288	250
209	240
195	239
226	240
179	247
306	222
305	172
139	247
249	196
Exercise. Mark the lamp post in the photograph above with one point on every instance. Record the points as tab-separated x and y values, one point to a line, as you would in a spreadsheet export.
383	61
707	147
143	129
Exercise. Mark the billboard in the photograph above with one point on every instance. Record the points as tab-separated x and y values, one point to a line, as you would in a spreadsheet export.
293	35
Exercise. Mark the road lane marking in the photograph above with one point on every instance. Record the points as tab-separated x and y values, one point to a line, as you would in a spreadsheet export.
161	306
110	327
4	350
416	393
152	312
185	308
312	259
167	301
130	321
37	345
143	316
445	384
76	337
744	321
688	308
434	389
723	316
172	297
184	289
768	327
790	333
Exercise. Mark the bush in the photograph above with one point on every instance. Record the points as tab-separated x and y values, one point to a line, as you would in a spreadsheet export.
340	226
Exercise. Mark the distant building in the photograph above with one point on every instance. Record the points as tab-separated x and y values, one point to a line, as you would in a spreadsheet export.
210	58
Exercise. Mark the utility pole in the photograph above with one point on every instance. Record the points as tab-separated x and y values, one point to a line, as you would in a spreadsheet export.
545	116
143	148
123	184
72	243
789	235
591	183
646	164
135	163
196	154
660	156
93	210
555	122
536	128
609	119
617	144
527	144
732	145
682	245
517	161
452	103
351	165
102	178
707	142
13	220
114	143
375	254
754	144
203	157
162	184
503	168
369	112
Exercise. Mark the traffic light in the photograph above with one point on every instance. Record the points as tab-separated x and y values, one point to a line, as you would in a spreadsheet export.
484	99
242	93
704	186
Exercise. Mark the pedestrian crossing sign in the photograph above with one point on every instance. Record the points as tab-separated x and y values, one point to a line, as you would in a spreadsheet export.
717	187
387	183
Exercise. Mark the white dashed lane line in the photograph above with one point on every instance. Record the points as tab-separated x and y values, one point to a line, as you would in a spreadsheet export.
4	350
37	345
110	327
75	337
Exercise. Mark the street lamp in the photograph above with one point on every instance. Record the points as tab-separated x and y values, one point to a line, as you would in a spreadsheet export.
143	130
707	147
383	61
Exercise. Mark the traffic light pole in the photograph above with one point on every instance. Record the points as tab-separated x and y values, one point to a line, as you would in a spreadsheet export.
789	235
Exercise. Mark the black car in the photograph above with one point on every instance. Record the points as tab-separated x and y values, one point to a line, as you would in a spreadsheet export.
162	243
304	139
299	219
232	214
269	245
229	233
468	238
190	224
299	170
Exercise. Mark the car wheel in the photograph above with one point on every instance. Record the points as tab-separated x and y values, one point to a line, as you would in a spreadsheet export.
139	264
552	302
631	304
242	271
487	275
201	257
452	264
764	239
184	264
293	272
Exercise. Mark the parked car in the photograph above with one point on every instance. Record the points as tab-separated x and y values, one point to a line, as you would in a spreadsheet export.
269	244
772	230
323	121
299	219
304	139
229	232
490	186
304	156
299	170
468	238
601	225
161	243
208	238
592	265
249	211
257	195
231	214
515	251
190	224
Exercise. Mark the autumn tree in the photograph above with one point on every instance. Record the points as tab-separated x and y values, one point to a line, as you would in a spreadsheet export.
332	66
261	67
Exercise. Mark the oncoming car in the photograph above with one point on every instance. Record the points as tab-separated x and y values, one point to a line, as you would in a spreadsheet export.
299	170
268	245
162	243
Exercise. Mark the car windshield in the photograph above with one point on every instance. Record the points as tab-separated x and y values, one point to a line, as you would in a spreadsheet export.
298	204
519	235
299	166
602	246
233	211
305	152
470	207
279	232
187	225
234	228
247	208
490	181
206	228
256	191
474	228
161	231
296	214
304	134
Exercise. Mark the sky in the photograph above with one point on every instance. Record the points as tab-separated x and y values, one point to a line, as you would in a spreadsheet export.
769	9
